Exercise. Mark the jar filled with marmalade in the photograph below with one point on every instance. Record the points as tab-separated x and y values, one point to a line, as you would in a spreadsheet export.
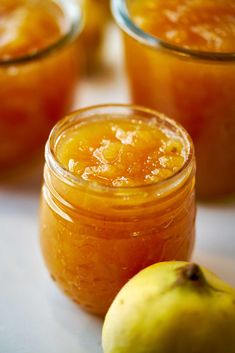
180	59
38	73
97	17
118	196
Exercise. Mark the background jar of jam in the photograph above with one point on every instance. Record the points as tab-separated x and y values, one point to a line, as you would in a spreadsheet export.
38	74
180	59
97	16
100	225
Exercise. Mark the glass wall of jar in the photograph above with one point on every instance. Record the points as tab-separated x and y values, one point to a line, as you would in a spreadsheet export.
95	237
38	74
196	88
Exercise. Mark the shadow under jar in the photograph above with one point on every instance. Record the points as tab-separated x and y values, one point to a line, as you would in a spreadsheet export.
180	59
118	196
38	74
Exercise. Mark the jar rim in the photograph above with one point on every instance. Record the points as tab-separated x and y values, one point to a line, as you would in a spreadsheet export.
123	18
75	17
110	109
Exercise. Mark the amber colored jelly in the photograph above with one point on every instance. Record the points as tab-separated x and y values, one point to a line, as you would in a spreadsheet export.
180	58
38	74
118	196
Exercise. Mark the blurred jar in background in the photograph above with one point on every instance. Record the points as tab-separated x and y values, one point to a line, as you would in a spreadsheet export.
97	15
38	73
180	59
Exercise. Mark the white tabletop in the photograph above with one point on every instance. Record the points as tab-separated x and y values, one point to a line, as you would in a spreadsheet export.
35	317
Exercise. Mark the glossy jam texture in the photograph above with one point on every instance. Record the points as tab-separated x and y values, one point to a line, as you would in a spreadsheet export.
29	26
121	153
95	239
34	94
207	25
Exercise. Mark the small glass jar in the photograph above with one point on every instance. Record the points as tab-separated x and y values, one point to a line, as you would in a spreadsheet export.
193	87
94	238
36	91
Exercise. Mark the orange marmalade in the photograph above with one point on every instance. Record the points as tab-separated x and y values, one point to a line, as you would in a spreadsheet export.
180	58
38	70
118	195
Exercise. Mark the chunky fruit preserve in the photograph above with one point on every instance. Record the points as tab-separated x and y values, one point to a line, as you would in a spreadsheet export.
120	153
38	72
118	196
184	66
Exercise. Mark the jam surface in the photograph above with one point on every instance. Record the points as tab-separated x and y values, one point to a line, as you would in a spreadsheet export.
27	26
117	152
206	25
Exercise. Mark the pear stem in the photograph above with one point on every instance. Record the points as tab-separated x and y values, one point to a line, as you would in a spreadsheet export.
193	272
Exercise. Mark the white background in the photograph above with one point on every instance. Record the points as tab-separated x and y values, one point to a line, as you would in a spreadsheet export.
35	317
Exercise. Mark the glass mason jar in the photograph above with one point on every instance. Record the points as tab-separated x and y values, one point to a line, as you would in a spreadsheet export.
94	238
36	91
193	87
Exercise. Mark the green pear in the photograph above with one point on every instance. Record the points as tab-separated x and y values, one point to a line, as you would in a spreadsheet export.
172	307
